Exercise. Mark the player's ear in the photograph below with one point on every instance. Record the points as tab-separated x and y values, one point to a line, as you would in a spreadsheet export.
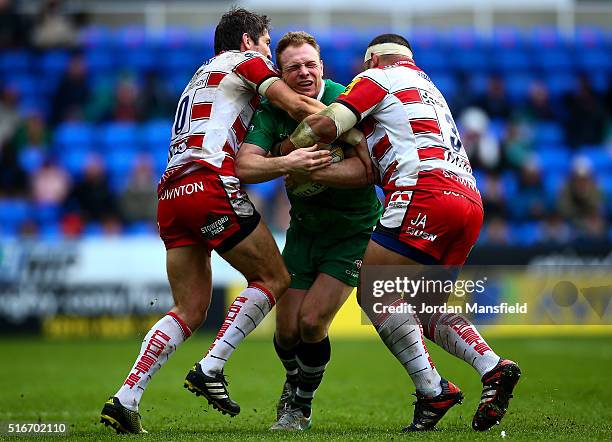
245	42
321	61
374	61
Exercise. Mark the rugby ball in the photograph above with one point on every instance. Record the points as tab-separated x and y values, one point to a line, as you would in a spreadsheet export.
311	188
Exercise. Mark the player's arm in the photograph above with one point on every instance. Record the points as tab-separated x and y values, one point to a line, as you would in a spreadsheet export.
253	165
360	99
299	107
347	174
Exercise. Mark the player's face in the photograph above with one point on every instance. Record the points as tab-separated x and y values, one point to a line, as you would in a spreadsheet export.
302	69
263	45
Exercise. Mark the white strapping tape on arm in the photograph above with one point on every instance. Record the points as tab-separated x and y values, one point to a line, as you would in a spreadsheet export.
342	116
263	87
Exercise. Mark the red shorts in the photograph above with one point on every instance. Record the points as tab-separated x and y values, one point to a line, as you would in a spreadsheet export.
205	208
442	224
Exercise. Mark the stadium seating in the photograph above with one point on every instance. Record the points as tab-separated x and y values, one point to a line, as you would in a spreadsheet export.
455	59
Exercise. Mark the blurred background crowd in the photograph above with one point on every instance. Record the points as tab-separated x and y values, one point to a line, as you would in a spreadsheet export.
86	109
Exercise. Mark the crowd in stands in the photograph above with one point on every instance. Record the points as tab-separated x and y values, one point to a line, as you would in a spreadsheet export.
85	115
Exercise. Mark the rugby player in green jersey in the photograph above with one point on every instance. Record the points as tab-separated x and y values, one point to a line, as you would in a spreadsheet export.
327	235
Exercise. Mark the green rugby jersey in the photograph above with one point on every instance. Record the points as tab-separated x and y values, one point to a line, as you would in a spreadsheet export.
339	212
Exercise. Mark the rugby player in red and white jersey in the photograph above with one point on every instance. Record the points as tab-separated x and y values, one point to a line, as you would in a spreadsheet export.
432	215
202	207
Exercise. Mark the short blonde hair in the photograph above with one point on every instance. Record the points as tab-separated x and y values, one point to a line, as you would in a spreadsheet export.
295	39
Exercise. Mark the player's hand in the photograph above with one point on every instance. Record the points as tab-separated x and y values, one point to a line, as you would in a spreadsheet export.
363	153
307	159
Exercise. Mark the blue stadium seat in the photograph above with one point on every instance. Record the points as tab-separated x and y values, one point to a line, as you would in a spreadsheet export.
548	133
102	59
13	212
594	60
93	229
119	165
53	62
50	231
433	60
517	85
140	228
445	82
472	61
511	60
600	157
74	136
553	59
30	159
555	159
24	83
118	136
553	182
139	59
46	213
16	62
156	135
74	160
526	234
560	83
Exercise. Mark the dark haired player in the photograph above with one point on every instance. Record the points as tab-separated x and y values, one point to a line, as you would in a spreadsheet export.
203	208
432	215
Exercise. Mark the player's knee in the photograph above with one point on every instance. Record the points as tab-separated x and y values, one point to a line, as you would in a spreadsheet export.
194	318
313	327
278	282
287	336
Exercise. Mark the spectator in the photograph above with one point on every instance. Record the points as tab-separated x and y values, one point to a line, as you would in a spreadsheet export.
52	28
138	202
554	230
50	185
517	145
531	201
92	196
72	93
13	179
494	197
13	27
127	106
157	101
581	198
592	229
32	140
497	232
495	101
480	144
9	115
586	118
539	107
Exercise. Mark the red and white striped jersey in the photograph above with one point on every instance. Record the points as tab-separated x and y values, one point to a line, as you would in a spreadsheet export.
214	113
412	138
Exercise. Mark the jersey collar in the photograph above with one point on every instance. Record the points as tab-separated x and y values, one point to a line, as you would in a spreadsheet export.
322	91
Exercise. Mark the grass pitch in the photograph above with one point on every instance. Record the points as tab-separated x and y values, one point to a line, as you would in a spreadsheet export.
564	392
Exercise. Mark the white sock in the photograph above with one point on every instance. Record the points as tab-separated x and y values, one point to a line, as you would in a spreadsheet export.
159	343
459	337
403	335
245	313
